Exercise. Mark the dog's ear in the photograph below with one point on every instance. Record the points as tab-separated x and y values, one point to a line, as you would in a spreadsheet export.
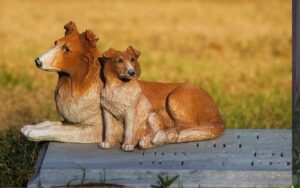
108	54
70	27
91	37
136	52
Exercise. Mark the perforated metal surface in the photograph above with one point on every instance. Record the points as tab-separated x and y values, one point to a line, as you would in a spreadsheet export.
239	158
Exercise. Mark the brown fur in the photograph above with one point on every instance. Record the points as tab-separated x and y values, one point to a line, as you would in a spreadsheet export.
77	95
179	112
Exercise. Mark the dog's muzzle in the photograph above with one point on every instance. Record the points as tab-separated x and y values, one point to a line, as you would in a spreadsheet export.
38	62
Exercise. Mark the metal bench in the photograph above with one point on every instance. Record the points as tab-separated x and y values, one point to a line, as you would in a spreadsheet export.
240	158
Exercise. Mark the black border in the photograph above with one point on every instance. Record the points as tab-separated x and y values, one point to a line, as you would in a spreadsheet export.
296	87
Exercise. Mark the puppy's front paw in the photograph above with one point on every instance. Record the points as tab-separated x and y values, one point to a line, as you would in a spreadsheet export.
128	147
105	145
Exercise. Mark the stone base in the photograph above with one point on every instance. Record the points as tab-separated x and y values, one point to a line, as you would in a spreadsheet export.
240	158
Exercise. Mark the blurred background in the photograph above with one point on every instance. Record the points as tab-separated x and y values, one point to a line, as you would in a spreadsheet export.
238	51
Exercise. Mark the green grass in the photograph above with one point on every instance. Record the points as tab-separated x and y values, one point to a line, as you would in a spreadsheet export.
17	158
10	80
165	182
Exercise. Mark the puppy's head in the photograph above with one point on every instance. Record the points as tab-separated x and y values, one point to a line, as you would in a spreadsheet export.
71	54
122	65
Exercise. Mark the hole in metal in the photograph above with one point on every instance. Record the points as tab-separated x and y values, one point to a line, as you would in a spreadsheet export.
153	162
252	163
254	154
140	162
224	145
257	137
159	163
155	153
197	145
162	153
182	163
281	154
270	163
215	145
238	137
288	163
240	145
175	153
273	154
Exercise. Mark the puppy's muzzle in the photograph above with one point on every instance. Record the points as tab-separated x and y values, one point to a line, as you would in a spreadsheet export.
131	72
38	62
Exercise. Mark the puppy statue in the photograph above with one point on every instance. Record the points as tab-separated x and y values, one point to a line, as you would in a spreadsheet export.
151	113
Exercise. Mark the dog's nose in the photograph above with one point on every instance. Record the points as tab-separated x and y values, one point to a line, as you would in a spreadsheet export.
38	62
131	72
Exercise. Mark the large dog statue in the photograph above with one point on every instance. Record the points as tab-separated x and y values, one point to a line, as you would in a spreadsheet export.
75	58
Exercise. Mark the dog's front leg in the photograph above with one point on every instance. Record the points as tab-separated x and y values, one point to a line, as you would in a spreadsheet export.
110	123
129	130
57	131
33	132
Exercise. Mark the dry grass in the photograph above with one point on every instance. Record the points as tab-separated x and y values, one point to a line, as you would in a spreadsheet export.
240	51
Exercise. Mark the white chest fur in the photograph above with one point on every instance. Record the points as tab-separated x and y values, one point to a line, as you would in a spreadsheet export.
78	109
118	99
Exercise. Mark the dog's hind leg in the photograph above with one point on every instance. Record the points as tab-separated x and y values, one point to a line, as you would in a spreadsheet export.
56	131
155	123
177	135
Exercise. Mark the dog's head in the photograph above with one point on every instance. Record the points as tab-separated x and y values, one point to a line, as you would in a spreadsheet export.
122	65
71	54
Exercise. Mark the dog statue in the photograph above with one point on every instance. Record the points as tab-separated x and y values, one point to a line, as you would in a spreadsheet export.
75	58
153	113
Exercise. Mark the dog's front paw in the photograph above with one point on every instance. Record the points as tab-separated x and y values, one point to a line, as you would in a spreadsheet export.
105	145
33	133
26	130
128	147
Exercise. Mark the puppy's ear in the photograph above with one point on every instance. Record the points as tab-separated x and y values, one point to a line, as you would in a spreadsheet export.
138	70
91	37
136	52
70	27
108	54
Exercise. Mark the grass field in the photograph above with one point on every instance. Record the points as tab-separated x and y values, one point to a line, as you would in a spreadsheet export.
239	51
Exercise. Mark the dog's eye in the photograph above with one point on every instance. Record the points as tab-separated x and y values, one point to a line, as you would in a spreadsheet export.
132	59
120	60
66	48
